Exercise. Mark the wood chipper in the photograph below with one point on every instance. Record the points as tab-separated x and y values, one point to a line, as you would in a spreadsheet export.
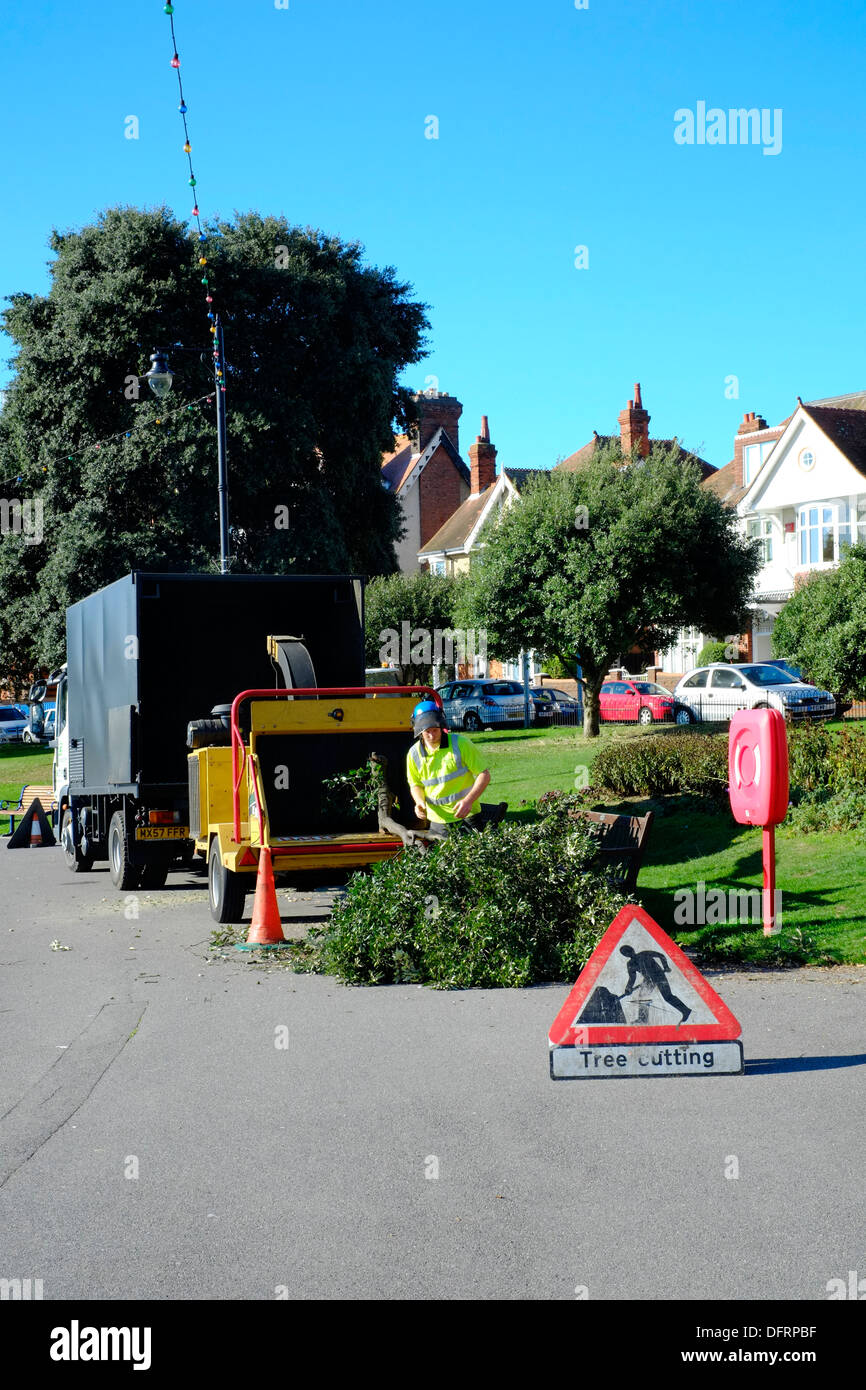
258	768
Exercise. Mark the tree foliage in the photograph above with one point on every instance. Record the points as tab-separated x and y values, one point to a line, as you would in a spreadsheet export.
822	627
314	343
406	611
591	563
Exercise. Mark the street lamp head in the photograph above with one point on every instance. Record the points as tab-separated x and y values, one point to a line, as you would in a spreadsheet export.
160	376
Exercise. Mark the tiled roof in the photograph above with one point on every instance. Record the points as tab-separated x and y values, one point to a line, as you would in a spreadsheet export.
454	533
845	428
397	466
723	482
583	457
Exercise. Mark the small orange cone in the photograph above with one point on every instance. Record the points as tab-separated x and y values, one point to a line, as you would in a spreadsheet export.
35	833
266	929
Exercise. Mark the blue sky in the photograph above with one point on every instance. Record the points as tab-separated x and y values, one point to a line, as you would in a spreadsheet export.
555	130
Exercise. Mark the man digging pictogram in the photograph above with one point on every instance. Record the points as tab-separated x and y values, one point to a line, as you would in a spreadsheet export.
653	966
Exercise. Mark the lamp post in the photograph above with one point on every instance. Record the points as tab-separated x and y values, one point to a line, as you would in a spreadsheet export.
159	378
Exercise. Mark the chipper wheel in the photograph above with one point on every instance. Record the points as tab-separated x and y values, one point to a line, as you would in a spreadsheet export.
226	890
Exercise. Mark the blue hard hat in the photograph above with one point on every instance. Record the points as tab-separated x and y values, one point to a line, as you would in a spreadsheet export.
426	715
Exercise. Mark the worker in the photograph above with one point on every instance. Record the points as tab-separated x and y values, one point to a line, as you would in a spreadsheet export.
445	775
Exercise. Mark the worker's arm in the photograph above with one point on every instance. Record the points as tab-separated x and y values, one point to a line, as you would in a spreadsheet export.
465	806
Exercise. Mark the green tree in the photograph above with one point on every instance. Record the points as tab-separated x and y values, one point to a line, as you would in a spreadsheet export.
315	341
403	615
822	627
591	563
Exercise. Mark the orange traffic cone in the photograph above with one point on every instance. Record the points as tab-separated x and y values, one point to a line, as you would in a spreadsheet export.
266	929
35	833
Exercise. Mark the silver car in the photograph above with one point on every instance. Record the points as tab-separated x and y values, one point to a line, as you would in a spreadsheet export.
714	693
479	704
12	723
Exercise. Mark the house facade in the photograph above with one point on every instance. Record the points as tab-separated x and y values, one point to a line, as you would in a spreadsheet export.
799	488
449	550
427	474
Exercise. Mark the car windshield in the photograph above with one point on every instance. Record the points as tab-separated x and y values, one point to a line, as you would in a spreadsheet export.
765	675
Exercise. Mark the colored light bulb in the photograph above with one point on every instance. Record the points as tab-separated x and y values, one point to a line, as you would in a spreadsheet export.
192	181
187	148
208	299
194	212
204	279
182	108
168	9
175	62
202	260
202	236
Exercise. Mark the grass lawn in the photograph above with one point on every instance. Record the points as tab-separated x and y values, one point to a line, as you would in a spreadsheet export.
21	763
821	876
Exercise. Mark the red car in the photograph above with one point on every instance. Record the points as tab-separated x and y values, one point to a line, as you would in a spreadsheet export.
643	702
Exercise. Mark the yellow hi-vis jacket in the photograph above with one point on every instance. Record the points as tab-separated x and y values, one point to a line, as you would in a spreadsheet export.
446	775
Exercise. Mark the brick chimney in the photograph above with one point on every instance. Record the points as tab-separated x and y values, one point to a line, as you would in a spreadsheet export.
634	427
436	409
482	461
750	423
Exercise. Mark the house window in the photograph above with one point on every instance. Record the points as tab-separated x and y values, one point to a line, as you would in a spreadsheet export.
762	530
753	457
823	530
806	460
437	566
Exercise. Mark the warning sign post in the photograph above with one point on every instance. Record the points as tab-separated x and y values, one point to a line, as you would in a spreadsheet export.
640	1008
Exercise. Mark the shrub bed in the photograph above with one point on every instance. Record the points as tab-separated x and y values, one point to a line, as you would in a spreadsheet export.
513	907
663	765
666	764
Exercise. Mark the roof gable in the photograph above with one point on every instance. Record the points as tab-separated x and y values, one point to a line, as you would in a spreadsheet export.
402	468
836	438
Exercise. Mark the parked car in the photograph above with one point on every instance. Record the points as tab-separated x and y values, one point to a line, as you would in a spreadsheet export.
479	704
554	706
797	672
12	723
33	735
714	693
643	702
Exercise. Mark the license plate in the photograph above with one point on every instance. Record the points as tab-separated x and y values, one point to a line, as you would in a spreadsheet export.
163	832
515	714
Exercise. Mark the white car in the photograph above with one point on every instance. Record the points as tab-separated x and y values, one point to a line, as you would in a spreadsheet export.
12	723
714	693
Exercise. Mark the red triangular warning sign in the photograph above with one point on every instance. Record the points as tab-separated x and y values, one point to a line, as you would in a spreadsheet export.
639	987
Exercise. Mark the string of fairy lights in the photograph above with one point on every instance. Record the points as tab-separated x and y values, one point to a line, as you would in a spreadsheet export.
169	9
165	415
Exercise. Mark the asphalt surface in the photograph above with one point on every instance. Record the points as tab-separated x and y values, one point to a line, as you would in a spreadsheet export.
156	1142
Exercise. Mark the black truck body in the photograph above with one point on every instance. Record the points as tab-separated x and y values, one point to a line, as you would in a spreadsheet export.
151	652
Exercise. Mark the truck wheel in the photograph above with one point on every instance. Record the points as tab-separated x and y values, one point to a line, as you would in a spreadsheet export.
226	889
154	875
123	874
76	862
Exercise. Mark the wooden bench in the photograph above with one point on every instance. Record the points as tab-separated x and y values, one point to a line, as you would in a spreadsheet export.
29	794
623	840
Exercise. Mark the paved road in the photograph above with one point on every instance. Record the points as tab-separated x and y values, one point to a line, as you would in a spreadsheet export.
305	1167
